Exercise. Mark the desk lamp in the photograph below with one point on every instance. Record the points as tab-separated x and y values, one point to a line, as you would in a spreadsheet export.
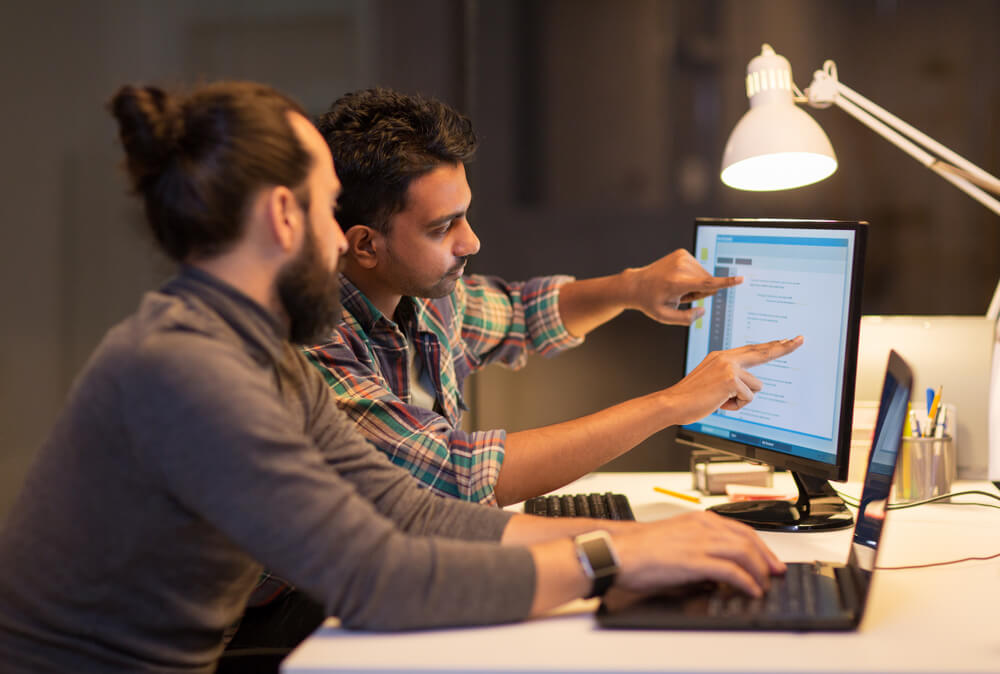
777	145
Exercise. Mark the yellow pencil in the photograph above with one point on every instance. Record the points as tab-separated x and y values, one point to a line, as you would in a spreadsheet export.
904	455
677	494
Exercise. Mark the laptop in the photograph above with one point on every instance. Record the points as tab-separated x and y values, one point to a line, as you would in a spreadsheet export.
816	596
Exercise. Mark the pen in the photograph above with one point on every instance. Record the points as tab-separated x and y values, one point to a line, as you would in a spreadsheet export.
932	414
940	421
677	494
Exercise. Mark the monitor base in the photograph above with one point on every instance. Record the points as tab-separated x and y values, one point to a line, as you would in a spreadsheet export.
818	508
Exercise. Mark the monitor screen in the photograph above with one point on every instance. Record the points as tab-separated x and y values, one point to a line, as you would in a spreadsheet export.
799	278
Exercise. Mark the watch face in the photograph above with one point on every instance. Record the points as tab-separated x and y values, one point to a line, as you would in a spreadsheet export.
598	560
599	554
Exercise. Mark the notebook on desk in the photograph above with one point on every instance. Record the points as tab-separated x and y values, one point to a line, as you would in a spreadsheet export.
816	596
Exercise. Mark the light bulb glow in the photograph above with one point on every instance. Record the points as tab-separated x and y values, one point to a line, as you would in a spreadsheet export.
779	171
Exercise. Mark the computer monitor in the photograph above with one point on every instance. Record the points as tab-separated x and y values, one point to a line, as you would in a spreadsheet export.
801	277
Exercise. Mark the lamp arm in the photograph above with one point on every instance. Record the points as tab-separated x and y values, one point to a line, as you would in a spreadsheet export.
959	177
893	129
826	90
975	173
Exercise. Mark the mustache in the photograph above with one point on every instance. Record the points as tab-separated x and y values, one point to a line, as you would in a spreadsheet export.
461	265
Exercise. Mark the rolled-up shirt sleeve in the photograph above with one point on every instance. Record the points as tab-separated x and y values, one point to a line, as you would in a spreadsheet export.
504	322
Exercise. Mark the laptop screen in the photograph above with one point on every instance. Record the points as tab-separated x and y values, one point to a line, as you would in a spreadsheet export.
881	465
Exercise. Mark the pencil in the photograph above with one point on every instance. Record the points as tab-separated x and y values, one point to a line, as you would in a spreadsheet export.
910	430
677	494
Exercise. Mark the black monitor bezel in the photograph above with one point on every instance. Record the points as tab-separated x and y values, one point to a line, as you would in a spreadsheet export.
838	470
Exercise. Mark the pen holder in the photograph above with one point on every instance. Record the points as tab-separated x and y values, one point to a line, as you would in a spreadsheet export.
926	468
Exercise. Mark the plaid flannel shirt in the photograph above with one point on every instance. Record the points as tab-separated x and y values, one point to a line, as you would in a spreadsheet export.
485	320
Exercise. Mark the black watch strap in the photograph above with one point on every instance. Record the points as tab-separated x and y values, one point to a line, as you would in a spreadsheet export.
598	559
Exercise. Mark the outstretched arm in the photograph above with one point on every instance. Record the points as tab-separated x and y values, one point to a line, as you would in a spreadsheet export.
543	459
657	290
683	549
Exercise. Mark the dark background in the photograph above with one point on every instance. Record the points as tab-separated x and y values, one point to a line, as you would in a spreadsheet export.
602	126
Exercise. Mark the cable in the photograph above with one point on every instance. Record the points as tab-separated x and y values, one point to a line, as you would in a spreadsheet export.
911	504
924	566
853	502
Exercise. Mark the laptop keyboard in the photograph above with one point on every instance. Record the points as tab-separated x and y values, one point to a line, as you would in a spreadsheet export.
797	593
605	506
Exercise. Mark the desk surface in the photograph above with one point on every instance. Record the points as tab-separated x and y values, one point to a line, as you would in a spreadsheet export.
940	619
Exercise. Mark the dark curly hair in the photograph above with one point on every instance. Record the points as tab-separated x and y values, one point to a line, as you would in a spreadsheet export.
197	158
381	140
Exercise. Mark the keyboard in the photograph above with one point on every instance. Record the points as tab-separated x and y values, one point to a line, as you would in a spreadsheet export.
604	506
809	596
799	592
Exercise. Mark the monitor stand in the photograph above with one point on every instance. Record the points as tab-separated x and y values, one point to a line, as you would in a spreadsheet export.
818	508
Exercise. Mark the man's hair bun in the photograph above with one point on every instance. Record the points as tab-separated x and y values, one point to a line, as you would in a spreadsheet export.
151	125
197	157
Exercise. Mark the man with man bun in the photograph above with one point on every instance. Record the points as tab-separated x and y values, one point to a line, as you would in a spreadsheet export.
198	445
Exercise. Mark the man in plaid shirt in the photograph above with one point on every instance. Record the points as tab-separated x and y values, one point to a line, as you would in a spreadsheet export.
414	327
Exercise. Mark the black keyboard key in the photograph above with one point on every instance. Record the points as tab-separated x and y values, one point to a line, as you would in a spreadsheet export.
620	507
612	507
555	507
809	595
796	593
568	506
597	507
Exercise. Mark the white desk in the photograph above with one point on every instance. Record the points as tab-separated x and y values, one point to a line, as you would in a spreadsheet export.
942	619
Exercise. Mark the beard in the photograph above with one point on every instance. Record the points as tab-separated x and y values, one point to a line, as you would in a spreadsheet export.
407	284
310	294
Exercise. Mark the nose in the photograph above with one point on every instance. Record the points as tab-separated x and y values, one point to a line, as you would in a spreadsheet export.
467	243
337	246
339	240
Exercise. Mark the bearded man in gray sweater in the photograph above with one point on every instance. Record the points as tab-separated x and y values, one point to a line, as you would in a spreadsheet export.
198	445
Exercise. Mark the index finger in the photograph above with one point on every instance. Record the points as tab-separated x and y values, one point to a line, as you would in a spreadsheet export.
713	284
756	354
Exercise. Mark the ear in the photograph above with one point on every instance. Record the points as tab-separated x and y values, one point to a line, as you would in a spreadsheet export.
364	244
285	218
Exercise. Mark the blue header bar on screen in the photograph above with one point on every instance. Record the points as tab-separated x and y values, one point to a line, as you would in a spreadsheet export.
784	240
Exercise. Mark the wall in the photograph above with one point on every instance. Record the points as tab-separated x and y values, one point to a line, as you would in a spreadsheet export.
634	109
602	125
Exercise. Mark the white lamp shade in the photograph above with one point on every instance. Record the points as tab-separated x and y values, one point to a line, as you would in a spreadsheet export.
777	146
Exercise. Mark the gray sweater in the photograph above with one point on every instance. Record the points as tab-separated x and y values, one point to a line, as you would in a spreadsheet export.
196	446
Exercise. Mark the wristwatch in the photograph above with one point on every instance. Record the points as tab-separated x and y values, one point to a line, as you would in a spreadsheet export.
598	559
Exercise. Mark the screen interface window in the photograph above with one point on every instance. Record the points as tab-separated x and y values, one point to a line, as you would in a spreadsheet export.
796	281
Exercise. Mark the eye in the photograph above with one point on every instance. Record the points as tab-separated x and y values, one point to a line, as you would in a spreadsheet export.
442	229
